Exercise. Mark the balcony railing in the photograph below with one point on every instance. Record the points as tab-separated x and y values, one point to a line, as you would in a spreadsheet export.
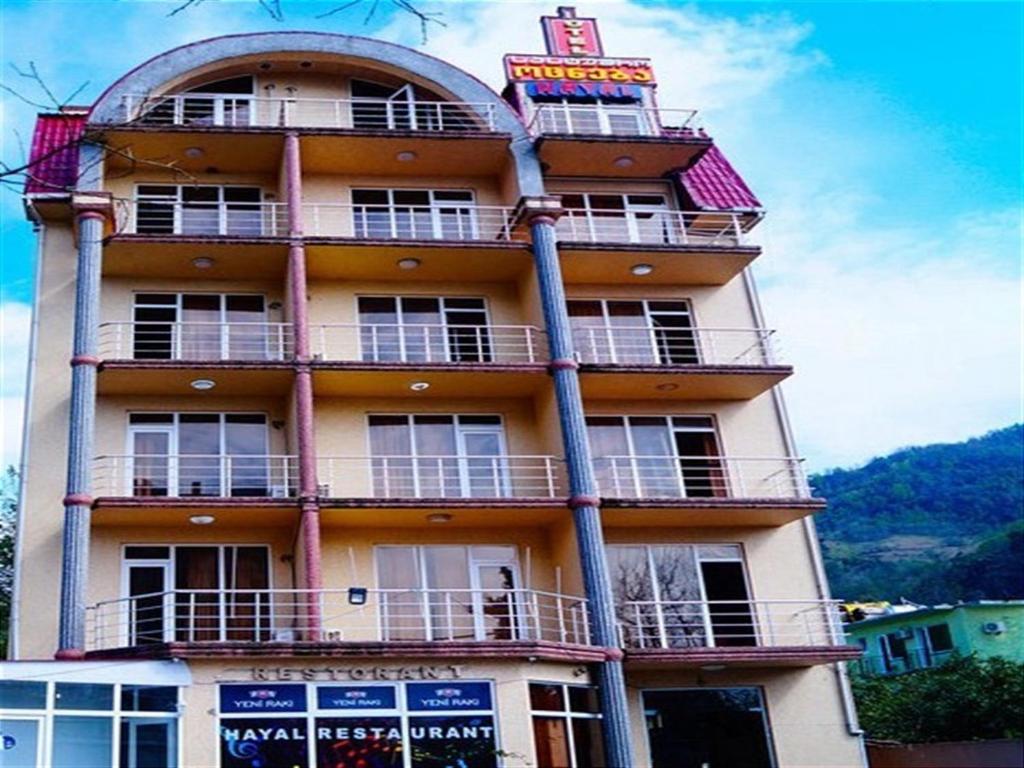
193	475
388	615
613	120
244	111
687	624
651	227
913	659
195	341
447	477
391	343
452	221
666	345
242	220
706	477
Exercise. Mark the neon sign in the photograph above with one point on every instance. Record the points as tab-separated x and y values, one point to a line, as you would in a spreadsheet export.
566	35
521	68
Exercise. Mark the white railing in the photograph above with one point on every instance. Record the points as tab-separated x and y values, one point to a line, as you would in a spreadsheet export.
911	660
613	120
650	227
448	477
667	345
441	221
683	624
245	111
392	343
387	615
195	341
167	217
682	477
194	475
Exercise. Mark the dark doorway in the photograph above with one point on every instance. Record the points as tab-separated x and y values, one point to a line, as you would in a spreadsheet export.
725	587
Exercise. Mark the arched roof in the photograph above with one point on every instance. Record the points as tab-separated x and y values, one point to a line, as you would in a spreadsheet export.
178	62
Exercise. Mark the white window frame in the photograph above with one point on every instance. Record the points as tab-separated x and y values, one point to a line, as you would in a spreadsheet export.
648	315
225	338
627	213
443	310
433	206
175	197
566	713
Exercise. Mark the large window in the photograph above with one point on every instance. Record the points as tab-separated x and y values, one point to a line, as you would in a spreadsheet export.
414	214
708	728
223	102
166	209
201	454
681	595
566	726
202	326
435	455
196	593
620	331
656	456
449	592
73	725
636	218
424	329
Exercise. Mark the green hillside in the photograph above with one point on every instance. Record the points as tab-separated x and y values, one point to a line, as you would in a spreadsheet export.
933	523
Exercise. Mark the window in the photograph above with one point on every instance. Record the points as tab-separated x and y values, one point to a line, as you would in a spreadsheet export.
377	107
424	329
435	455
449	593
940	639
713	727
202	454
596	118
203	326
167	209
656	456
223	102
618	331
194	593
566	726
682	595
414	214
638	218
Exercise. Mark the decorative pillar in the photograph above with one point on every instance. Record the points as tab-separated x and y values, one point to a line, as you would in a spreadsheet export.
541	215
309	521
91	212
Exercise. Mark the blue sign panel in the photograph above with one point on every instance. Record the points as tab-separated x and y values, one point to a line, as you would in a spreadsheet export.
449	696
267	697
356	696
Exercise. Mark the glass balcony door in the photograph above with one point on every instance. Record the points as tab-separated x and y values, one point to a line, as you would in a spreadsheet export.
200	326
414	214
619	219
424	329
166	209
633	332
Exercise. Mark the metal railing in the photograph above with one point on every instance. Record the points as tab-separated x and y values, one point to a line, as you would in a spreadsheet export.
195	341
682	624
194	475
567	118
396	343
246	111
911	660
683	477
651	227
449	477
225	219
442	221
667	345
387	615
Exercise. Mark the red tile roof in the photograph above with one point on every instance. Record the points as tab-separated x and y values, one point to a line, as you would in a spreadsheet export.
714	184
53	161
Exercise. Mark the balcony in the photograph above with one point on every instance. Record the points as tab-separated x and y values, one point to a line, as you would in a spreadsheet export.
702	490
375	359
622	140
911	660
442	623
677	362
162	357
744	633
696	248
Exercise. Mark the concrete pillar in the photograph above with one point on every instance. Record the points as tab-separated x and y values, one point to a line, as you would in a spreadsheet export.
89	222
541	214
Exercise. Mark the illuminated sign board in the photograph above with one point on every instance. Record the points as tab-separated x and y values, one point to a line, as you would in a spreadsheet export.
356	696
524	68
566	35
263	698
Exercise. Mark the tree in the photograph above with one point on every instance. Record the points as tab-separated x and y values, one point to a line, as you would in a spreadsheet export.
965	699
8	525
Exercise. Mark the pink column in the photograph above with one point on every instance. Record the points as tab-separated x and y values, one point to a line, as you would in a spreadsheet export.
310	516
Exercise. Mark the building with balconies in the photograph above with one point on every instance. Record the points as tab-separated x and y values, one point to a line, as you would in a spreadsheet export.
408	424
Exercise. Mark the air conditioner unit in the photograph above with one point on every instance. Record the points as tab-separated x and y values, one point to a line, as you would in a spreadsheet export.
332	635
993	627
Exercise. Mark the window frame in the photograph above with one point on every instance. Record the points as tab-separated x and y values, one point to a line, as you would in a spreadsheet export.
568	714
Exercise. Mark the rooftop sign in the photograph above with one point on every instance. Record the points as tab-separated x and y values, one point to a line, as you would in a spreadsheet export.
565	35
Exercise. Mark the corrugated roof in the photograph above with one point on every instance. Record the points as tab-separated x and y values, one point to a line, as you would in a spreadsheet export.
714	184
53	160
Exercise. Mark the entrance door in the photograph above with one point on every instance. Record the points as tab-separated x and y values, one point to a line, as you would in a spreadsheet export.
148	742
482	469
21	742
151	472
729	615
149	583
495	606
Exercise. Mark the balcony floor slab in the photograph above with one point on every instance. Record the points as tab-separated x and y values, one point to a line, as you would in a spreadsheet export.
595	155
600	263
702	512
679	382
173	377
739	657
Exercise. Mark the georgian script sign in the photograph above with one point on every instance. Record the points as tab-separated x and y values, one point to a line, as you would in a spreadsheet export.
310	674
528	68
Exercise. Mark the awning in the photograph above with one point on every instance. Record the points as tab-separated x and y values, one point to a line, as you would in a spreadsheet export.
130	672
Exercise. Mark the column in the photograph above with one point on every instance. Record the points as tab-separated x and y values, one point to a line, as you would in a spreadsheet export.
541	214
90	218
309	520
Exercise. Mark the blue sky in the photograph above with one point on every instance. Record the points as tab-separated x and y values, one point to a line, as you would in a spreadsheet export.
883	138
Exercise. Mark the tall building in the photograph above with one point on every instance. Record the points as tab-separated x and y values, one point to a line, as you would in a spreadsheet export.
408	424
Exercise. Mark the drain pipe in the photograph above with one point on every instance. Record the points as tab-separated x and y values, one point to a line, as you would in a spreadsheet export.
810	532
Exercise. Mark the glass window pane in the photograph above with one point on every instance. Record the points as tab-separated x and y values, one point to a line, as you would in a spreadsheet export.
148	743
156	298
940	638
149	698
720	552
22	694
587	744
370	197
85	696
82	742
546	697
20	742
150	418
583	698
552	742
146	553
